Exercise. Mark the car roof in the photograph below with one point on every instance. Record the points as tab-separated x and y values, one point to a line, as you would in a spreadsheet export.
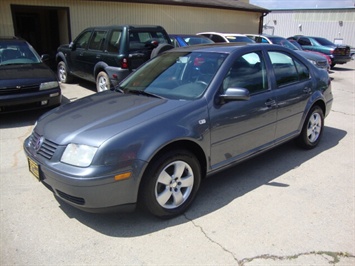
130	26
188	35
222	33
218	47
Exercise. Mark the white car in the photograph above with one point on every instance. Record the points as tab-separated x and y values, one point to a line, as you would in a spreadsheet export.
226	37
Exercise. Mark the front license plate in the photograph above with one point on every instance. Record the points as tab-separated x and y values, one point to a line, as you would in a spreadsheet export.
33	167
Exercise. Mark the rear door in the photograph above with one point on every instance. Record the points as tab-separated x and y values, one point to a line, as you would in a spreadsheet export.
293	88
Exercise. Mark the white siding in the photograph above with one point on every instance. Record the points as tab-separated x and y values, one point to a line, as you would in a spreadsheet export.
323	23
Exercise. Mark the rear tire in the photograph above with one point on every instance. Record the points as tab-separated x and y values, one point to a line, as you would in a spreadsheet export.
312	129
63	74
102	82
170	184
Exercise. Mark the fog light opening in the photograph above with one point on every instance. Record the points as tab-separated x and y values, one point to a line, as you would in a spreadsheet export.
54	94
44	102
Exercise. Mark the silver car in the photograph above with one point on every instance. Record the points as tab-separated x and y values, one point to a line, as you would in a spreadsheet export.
183	115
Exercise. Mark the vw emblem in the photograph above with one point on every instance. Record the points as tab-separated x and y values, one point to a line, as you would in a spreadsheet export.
38	144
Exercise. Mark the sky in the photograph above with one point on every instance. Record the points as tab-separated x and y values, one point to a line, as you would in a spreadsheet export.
303	4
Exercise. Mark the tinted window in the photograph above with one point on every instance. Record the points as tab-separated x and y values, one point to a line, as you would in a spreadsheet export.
217	38
324	41
114	41
304	41
17	53
232	38
286	69
97	41
83	40
139	40
248	72
303	71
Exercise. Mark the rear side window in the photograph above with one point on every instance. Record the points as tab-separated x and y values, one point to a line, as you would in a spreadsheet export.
141	39
114	41
287	69
97	40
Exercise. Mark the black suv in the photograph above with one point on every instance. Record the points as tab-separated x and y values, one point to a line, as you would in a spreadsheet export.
106	55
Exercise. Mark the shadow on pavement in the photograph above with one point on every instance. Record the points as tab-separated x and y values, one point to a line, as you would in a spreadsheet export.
215	192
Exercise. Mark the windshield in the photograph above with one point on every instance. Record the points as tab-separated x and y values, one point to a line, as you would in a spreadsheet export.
233	38
13	53
175	75
323	41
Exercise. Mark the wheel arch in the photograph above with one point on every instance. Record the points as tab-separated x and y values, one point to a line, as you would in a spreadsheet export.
60	57
100	66
187	145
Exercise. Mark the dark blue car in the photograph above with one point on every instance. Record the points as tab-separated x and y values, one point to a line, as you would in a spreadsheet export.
181	40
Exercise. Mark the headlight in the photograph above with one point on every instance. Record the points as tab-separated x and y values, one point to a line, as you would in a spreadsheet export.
313	62
48	85
78	155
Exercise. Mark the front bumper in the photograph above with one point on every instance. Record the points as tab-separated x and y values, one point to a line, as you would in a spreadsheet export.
340	59
88	189
30	100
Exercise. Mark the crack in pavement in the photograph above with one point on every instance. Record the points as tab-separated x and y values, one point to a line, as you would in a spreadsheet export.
335	256
211	240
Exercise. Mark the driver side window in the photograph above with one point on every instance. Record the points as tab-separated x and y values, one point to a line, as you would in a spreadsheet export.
83	40
248	72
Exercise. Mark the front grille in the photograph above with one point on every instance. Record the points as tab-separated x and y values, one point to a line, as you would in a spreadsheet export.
19	89
46	149
322	63
76	200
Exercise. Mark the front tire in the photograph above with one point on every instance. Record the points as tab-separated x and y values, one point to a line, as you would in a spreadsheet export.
312	129
63	74
102	82
170	184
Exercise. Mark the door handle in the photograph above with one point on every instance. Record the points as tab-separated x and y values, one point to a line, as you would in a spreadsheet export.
307	90
270	103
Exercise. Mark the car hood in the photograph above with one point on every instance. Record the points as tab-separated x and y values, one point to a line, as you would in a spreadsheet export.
311	56
96	118
24	74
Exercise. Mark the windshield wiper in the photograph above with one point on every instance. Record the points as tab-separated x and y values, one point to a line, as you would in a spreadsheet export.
138	92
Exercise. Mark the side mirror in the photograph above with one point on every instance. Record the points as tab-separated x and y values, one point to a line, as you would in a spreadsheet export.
235	94
45	57
72	46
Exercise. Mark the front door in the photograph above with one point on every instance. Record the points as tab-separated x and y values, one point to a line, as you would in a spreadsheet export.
240	128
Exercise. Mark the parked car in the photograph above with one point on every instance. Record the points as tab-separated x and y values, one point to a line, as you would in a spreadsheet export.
318	60
26	82
106	55
185	114
352	53
340	54
181	40
218	37
295	43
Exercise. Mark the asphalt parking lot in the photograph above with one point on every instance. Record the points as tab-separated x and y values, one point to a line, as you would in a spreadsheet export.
285	207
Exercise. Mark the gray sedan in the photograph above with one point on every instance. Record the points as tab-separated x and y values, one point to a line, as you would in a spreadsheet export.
183	115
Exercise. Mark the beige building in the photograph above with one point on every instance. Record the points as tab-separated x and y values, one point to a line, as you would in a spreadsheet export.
47	24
